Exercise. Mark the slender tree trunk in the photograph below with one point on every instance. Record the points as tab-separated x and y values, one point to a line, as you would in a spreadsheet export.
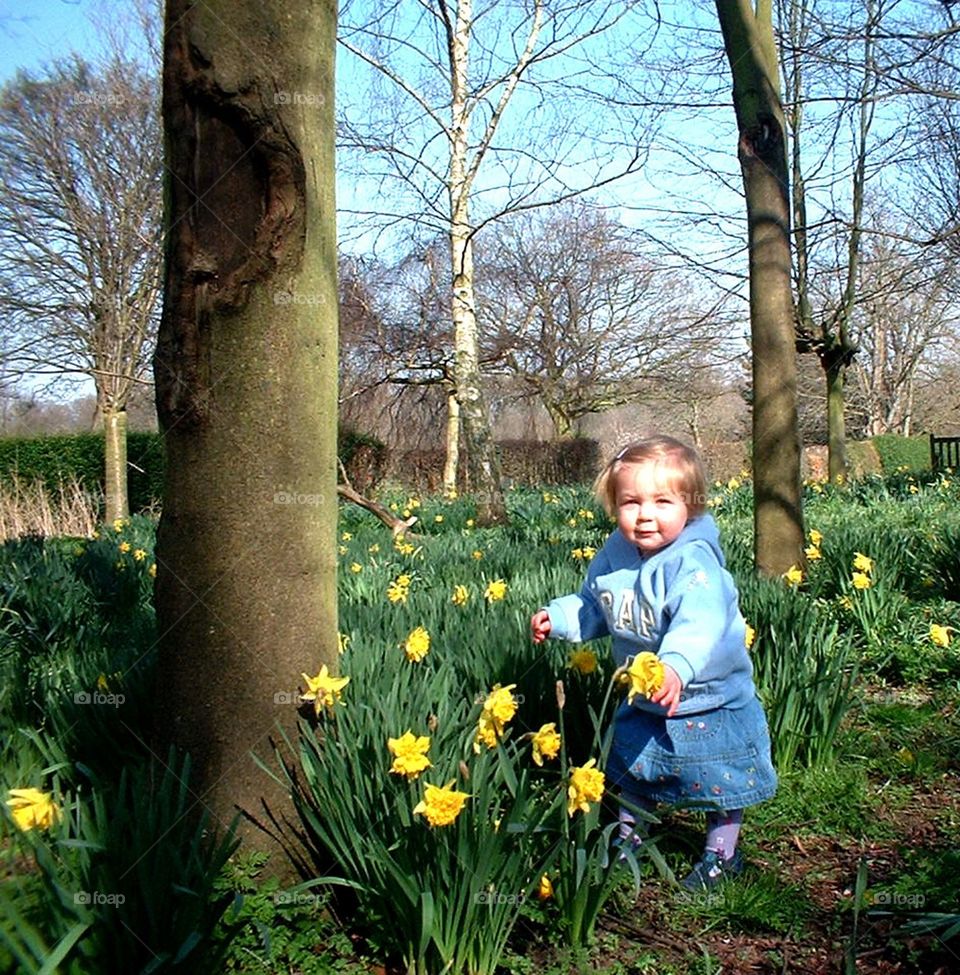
452	456
115	453
835	373
246	376
751	51
482	463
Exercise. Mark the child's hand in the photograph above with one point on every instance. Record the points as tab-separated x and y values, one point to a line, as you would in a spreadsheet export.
540	626
668	694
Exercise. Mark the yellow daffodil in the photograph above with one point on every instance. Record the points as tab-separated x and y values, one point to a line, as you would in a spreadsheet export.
461	594
586	786
794	575
124	546
356	567
343	641
441	806
812	553
546	743
409	754
733	484
139	554
861	580
862	563
645	675
545	888
342	549
33	809
469	523
846	602
477	554
324	690
374	549
346	537
498	709
119	525
582	661
438	519
940	634
501	704
399	589
487	732
816	538
417	645
495	591
750	636
152	571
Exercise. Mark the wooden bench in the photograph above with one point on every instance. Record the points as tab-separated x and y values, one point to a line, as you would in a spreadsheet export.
944	452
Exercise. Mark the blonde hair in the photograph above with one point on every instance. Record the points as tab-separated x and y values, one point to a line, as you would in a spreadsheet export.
678	467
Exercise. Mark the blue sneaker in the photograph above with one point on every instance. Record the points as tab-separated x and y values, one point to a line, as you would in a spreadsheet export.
711	871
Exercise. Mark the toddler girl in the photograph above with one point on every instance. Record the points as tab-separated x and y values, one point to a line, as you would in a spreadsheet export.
659	584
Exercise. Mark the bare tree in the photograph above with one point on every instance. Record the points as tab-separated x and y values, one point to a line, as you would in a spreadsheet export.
570	307
80	200
449	74
752	54
906	323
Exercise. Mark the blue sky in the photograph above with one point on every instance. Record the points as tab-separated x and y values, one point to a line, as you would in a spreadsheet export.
33	32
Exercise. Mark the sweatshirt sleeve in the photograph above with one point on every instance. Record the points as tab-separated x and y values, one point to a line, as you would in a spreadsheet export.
698	605
578	617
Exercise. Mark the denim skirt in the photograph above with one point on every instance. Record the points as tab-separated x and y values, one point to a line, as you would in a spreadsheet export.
719	758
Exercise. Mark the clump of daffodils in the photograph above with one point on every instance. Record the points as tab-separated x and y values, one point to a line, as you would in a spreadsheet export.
399	589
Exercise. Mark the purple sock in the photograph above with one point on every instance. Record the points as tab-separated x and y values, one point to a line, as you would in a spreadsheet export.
723	830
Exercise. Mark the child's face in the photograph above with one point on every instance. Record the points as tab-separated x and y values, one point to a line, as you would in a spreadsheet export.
649	513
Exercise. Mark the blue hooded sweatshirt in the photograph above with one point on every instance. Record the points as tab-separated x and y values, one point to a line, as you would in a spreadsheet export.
679	603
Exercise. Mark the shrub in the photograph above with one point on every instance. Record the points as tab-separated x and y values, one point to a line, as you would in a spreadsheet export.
896	452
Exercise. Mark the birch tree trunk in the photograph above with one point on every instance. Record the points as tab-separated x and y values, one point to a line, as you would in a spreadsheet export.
246	369
452	456
115	456
482	464
751	51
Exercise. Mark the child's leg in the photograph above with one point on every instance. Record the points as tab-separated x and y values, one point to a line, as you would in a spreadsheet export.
723	831
632	831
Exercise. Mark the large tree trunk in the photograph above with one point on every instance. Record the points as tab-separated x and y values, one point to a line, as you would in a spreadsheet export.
246	375
778	517
115	454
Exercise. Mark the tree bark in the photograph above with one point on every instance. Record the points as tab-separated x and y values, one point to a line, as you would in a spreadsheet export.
115	455
452	456
751	51
246	368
